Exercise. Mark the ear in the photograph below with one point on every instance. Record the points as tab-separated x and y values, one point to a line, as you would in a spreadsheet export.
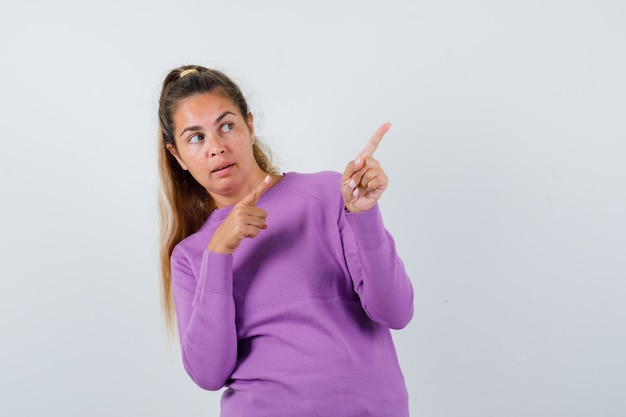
175	154
250	123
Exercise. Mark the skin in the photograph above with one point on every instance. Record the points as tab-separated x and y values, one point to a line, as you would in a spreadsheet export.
364	181
211	133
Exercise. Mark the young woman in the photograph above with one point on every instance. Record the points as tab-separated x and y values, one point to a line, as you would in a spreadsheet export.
284	286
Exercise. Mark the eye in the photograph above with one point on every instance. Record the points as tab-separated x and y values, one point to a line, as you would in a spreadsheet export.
227	127
195	138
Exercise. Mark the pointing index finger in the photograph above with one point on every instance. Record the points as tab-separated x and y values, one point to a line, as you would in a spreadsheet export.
375	140
253	197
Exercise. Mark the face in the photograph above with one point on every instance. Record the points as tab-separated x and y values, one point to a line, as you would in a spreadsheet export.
214	143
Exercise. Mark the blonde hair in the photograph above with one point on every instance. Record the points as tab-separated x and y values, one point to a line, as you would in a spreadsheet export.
184	204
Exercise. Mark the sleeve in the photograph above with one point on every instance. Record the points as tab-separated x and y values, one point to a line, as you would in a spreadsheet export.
205	311
378	274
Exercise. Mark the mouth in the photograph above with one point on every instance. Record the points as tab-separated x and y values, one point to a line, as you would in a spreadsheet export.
222	167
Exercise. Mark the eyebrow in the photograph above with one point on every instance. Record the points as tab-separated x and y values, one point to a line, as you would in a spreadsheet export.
217	120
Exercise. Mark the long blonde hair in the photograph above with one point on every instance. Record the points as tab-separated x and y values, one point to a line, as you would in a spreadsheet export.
184	204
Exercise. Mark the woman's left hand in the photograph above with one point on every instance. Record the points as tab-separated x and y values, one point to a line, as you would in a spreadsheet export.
364	181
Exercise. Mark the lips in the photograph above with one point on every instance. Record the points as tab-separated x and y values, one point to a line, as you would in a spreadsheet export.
222	167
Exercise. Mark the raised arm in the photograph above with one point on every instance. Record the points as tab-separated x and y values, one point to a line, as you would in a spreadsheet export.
377	272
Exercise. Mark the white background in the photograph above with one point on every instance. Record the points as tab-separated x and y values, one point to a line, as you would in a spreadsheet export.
507	197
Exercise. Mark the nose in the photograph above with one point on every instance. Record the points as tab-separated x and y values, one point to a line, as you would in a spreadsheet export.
215	146
217	151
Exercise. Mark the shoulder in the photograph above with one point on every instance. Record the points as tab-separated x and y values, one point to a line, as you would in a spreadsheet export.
194	244
324	182
190	248
324	187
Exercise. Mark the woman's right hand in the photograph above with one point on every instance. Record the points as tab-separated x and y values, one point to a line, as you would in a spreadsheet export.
245	220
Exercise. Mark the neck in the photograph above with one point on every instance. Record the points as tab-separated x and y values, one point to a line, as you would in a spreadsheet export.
256	177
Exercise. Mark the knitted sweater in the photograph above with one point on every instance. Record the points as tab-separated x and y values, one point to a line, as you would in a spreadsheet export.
296	322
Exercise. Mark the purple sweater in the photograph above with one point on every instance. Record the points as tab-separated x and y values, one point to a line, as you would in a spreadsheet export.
296	322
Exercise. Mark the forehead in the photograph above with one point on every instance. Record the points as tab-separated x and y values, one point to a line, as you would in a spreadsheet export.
203	105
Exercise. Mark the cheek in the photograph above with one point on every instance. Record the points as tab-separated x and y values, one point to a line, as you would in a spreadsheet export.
249	152
193	153
241	147
192	161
